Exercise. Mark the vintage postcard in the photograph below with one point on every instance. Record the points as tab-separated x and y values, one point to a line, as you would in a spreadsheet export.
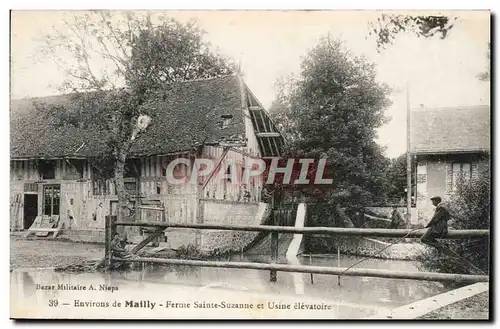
250	165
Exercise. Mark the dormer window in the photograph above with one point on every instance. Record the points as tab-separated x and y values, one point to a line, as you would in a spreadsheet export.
47	169
226	120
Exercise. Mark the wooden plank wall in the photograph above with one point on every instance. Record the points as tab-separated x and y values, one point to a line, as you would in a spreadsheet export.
179	200
88	210
223	189
25	172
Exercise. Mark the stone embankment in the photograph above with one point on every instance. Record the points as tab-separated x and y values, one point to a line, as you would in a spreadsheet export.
379	249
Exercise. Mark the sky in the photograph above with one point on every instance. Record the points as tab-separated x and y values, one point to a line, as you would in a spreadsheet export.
268	44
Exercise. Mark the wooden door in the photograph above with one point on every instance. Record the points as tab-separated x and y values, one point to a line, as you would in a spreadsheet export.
30	209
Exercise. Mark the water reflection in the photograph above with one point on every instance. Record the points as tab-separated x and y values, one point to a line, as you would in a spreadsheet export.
355	293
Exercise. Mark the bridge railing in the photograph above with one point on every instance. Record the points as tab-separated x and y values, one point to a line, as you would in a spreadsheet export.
273	267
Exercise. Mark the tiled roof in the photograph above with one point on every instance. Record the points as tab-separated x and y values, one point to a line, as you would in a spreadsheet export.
450	129
184	115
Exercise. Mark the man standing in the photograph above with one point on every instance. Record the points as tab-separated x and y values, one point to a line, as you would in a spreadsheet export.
438	225
397	220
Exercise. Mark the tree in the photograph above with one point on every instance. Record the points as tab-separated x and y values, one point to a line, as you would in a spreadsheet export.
281	109
113	62
388	26
486	75
332	110
397	178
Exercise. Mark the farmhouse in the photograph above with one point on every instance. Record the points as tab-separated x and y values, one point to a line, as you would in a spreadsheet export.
55	178
448	143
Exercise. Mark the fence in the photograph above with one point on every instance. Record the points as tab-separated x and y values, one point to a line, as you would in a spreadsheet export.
273	267
285	215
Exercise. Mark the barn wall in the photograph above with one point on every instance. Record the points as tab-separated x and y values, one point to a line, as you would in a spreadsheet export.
221	197
83	213
16	205
73	193
225	189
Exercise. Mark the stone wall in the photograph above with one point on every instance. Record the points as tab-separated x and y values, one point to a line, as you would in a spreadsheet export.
360	246
176	238
221	212
369	247
387	212
230	212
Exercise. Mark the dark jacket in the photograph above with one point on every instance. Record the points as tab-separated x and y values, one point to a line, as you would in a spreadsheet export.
397	220
118	249
439	222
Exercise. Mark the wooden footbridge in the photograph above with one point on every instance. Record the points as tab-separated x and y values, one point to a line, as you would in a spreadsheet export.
274	267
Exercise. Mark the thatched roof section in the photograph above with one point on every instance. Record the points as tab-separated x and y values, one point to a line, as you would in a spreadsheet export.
184	115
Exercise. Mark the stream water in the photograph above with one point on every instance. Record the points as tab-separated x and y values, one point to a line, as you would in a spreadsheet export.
348	297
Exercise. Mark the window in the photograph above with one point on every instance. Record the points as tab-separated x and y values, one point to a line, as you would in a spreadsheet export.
51	199
226	120
132	169
74	169
30	188
47	169
99	186
131	187
460	171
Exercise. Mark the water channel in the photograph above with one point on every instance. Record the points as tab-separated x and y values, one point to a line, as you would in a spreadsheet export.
348	297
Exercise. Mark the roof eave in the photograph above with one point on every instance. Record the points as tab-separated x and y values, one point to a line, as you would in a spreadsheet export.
24	158
456	151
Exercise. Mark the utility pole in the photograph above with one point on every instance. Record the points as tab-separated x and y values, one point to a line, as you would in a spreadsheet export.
408	158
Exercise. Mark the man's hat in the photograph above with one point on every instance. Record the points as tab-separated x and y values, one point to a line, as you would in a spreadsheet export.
436	198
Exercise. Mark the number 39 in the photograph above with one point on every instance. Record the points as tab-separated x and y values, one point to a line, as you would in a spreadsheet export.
53	303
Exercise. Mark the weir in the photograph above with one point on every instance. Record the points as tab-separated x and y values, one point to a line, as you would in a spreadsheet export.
296	244
294	249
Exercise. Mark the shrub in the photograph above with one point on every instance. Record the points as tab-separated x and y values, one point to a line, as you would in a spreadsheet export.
323	215
470	209
193	252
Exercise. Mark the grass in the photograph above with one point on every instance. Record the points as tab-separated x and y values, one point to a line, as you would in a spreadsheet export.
472	308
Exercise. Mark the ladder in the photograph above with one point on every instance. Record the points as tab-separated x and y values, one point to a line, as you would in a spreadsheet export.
16	204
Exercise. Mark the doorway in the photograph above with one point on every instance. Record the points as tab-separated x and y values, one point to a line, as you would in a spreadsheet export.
30	209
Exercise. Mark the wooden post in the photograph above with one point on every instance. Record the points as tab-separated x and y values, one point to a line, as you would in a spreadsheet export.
338	262
310	263
200	212
274	254
110	231
274	250
163	213
408	158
